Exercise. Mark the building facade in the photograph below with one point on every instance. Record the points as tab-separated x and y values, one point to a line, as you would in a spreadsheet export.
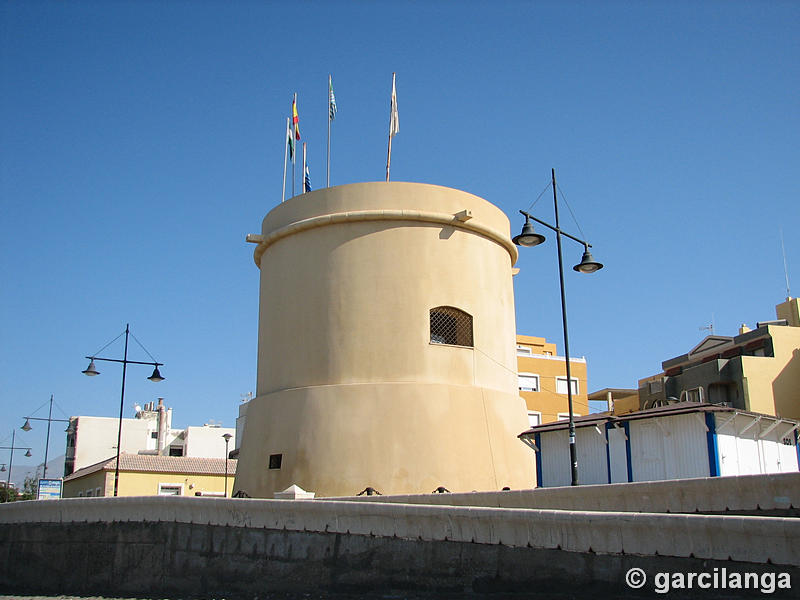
542	381
153	475
386	338
757	370
91	440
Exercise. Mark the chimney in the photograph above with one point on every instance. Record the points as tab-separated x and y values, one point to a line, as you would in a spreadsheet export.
162	425
743	328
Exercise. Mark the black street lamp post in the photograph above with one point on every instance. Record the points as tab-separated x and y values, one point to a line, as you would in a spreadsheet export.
49	419
12	447
227	437
91	371
528	237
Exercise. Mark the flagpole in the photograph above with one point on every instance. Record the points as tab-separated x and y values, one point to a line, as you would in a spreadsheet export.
392	126
294	108
328	169
285	155
303	178
389	157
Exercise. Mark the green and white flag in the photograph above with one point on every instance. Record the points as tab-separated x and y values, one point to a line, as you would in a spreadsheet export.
331	100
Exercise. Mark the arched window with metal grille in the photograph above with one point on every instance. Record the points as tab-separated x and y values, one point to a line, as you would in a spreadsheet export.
451	326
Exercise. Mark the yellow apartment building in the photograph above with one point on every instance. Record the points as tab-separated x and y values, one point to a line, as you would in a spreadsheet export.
152	475
542	377
757	370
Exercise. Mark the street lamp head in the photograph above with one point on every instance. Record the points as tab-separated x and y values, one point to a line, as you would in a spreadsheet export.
3	469
28	453
156	376
588	264
91	370
227	437
528	237
27	425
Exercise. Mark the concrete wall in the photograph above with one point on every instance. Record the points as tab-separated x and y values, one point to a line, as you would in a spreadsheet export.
195	545
350	390
744	494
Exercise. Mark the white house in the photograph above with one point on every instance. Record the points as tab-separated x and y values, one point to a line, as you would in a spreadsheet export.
91	440
677	441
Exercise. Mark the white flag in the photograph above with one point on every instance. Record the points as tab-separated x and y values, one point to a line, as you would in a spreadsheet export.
394	121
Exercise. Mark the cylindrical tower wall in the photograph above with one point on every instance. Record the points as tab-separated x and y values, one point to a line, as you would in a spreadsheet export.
351	392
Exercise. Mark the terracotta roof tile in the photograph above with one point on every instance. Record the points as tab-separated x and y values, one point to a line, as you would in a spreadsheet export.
149	463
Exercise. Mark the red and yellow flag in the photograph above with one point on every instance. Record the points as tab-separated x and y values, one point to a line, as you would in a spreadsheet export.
295	118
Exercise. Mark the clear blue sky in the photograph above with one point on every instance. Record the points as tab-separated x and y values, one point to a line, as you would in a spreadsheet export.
141	141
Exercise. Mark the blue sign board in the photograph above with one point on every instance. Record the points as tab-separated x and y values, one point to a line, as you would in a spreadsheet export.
49	489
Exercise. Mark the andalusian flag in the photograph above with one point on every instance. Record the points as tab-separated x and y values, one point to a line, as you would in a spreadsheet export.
331	100
295	118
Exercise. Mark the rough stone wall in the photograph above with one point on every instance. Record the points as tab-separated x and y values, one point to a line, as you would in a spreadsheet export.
183	560
181	547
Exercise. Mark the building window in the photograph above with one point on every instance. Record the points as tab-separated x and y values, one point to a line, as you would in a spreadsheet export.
528	382
693	395
154	435
451	326
565	416
97	492
534	418
655	387
275	461
561	385
89	493
170	489
524	351
176	450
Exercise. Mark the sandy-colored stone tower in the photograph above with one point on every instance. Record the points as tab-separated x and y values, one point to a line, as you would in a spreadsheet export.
386	346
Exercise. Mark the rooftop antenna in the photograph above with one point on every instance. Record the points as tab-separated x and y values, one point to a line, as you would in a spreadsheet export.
710	326
785	267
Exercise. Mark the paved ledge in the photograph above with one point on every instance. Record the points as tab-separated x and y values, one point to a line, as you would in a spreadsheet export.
738	538
749	494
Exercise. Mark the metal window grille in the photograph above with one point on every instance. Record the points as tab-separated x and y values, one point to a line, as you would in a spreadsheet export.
451	326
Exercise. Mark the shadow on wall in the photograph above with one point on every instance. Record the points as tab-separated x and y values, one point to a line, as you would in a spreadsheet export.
786	388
